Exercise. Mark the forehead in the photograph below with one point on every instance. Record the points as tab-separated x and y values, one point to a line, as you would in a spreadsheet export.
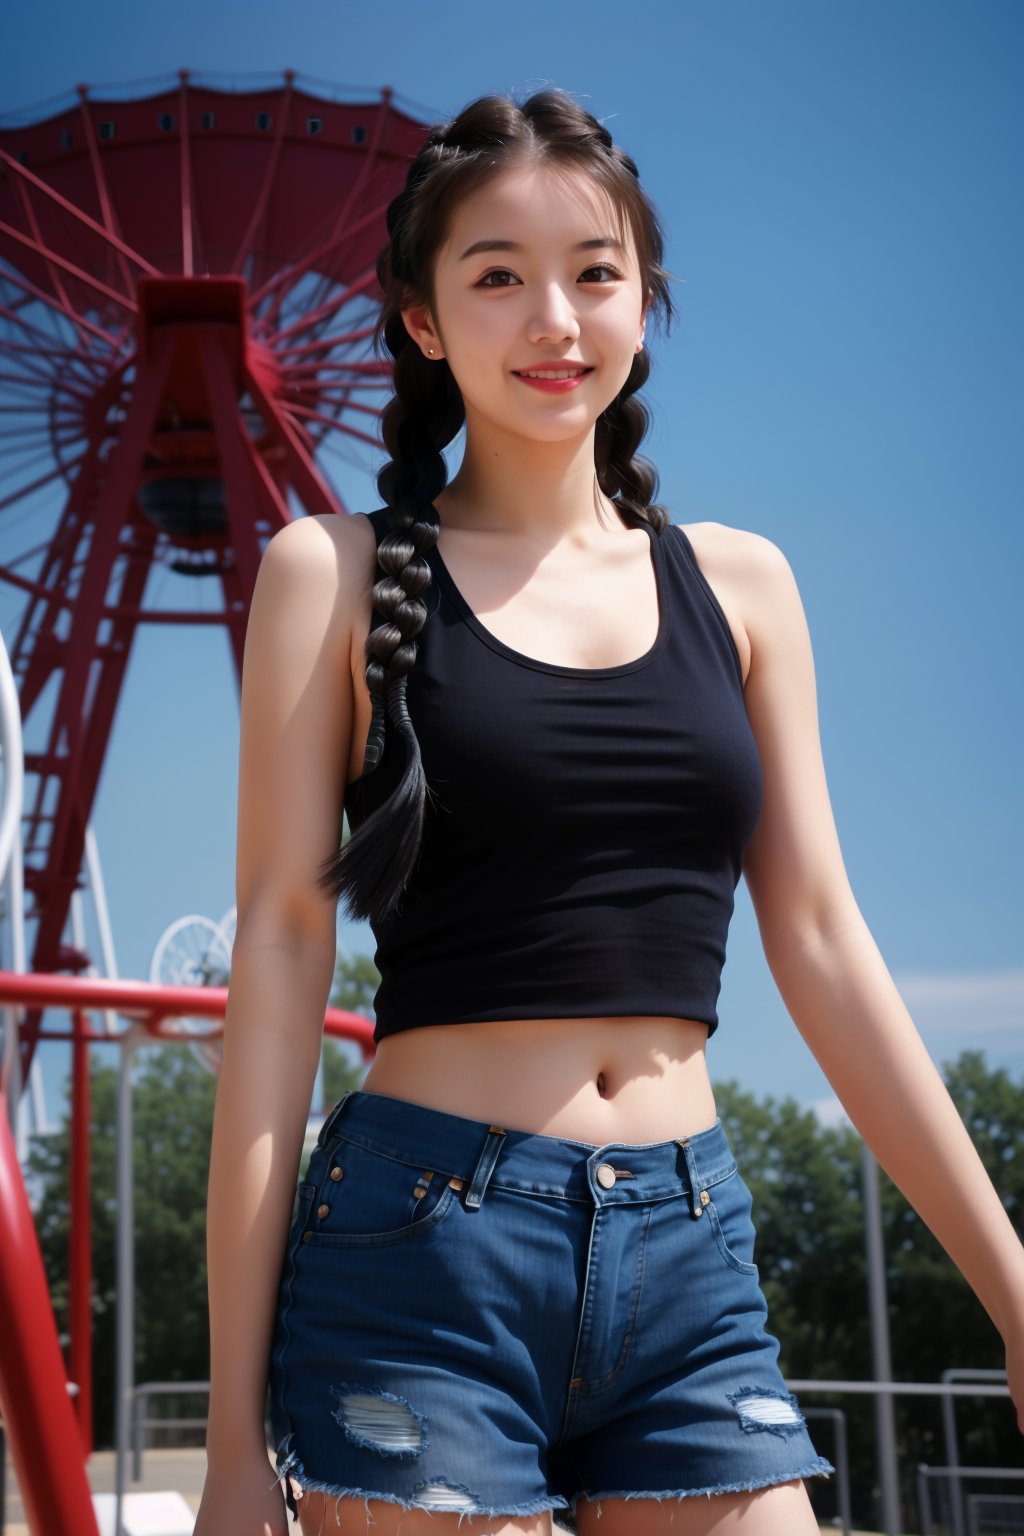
540	205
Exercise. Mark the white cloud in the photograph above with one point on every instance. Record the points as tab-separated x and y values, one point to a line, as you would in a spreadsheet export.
956	1011
963	1002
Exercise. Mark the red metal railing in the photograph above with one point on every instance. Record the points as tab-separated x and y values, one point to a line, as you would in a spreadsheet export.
49	1432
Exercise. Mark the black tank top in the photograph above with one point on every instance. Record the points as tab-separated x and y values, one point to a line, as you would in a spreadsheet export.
585	835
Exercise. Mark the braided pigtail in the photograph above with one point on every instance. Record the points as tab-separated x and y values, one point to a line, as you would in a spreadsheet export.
622	426
494	133
630	479
371	870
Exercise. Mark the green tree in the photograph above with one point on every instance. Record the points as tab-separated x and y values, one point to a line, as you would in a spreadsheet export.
173	1098
806	1182
935	1319
172	1124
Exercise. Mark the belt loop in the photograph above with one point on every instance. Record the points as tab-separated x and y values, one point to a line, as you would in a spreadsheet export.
697	1189
329	1123
485	1166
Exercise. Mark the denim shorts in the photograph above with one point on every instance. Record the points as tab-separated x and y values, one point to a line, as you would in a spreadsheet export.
489	1321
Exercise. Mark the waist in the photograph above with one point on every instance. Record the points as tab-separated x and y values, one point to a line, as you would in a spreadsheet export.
482	1154
592	1079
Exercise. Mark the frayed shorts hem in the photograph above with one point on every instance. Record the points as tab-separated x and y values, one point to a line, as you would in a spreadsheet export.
291	1467
817	1468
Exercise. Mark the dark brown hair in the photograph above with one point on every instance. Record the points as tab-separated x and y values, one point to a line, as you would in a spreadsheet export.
493	134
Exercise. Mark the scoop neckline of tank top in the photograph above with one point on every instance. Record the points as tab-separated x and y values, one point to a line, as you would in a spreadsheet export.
521	659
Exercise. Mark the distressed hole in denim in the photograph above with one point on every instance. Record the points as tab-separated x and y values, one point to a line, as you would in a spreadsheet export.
440	1494
766	1410
379	1421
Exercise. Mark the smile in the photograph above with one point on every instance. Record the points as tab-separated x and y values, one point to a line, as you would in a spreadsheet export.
551	373
554	381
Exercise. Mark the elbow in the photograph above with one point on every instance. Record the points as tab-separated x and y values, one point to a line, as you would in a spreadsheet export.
280	919
809	929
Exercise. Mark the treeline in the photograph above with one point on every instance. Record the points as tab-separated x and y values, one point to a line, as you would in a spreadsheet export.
806	1183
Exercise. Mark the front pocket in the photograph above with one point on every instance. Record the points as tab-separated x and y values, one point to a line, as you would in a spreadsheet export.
729	1214
365	1197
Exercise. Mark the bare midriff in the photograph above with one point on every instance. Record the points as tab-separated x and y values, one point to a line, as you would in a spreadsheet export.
628	1079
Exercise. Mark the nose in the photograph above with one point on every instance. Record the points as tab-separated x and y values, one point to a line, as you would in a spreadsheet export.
555	316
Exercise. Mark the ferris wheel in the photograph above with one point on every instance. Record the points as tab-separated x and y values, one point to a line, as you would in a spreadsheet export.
187	299
196	952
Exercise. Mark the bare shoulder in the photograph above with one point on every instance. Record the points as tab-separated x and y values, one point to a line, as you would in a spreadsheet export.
326	548
746	572
298	716
735	554
320	569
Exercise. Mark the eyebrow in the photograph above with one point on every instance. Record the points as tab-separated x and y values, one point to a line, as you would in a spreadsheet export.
599	243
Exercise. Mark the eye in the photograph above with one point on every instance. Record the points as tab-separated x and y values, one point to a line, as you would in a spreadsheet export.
504	272
604	268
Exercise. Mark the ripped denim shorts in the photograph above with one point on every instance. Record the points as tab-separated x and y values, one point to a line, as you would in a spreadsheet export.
488	1321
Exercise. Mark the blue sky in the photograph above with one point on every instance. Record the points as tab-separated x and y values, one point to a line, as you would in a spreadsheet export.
840	187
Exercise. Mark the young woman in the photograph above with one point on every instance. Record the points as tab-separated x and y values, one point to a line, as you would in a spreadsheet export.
520	1284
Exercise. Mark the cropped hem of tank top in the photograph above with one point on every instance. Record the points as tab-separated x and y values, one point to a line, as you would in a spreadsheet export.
585	826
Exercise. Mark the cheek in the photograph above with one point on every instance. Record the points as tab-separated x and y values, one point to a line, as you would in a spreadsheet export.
480	331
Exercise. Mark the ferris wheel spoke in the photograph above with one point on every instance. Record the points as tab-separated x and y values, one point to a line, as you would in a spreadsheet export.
326	311
53	301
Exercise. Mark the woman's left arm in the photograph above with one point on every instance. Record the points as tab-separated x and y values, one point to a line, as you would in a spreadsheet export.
829	970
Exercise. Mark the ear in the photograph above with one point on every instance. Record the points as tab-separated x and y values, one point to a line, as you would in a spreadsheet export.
420	326
644	312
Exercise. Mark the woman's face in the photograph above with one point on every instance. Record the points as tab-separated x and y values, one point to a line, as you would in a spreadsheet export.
558	292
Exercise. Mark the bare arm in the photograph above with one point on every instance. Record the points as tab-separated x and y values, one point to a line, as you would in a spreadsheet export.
833	979
296	724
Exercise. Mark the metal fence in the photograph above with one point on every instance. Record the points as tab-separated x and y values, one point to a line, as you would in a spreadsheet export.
947	1507
957	1515
142	1423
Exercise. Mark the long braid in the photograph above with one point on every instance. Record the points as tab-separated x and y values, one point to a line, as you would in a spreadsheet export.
371	870
624	424
623	474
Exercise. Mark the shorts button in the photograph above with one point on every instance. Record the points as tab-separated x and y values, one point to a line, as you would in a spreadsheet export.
606	1175
322	1211
337	1173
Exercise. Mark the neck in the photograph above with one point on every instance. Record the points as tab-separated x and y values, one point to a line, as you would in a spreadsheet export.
552	495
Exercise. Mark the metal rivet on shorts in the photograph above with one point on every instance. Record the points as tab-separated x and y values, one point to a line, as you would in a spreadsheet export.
418	1192
704	1197
337	1173
322	1211
455	1183
307	1236
606	1175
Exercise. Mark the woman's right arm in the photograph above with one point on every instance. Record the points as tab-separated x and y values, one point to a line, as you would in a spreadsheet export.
296	726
